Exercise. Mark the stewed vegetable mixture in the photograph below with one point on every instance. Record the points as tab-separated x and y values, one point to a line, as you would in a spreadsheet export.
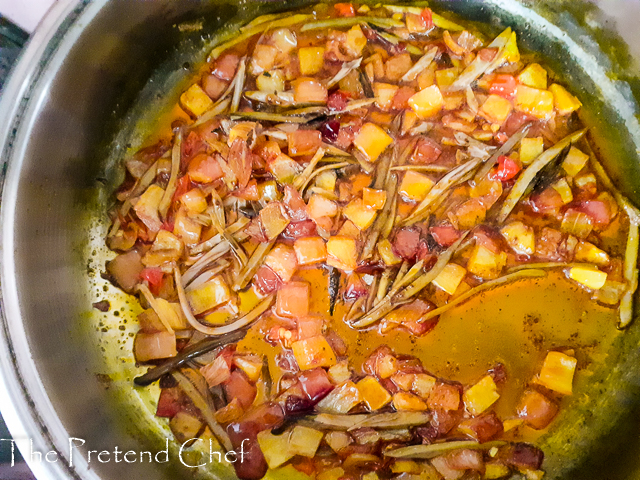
398	164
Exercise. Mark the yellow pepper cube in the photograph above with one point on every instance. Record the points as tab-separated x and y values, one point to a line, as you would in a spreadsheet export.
195	101
534	76
450	277
575	161
512	423
415	186
356	40
530	149
372	393
327	180
486	264
564	102
422	384
588	252
275	448
310	250
342	253
387	254
481	396
304	441
446	77
406	466
557	372
209	295
372	141
311	60
562	187
493	471
313	352
427	102
361	216
384	94
520	237
374	199
496	109
534	101
404	401
589	277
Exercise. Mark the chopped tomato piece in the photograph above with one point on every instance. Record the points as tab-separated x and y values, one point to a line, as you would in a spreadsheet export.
506	169
504	86
355	287
295	230
153	276
183	186
548	201
345	9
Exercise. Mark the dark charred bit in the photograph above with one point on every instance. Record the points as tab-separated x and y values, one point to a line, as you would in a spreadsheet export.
334	288
102	305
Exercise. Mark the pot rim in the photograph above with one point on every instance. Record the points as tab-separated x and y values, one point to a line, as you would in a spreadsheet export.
24	402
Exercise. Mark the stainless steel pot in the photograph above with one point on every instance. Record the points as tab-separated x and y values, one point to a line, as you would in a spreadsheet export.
90	72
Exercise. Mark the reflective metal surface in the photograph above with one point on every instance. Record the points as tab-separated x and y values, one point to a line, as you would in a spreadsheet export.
68	114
